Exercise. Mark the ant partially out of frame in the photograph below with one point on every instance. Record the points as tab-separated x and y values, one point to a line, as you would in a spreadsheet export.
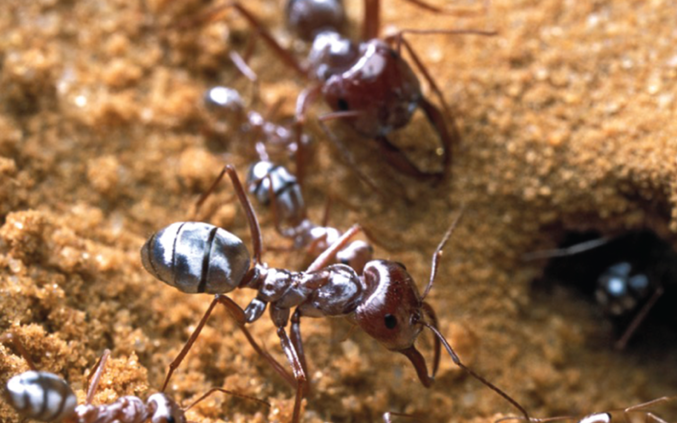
605	416
367	84
627	274
383	301
46	397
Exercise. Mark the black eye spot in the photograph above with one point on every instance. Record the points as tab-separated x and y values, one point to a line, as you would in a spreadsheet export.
342	105
390	321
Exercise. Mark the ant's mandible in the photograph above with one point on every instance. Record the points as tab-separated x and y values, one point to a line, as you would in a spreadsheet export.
384	301
46	397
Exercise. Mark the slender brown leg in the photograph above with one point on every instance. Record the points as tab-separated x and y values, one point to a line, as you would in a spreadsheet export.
96	378
327	256
244	201
438	253
348	157
307	96
457	11
215	13
12	339
238	314
638	319
297	342
371	21
397	159
471	372
649	416
297	367
241	65
225	391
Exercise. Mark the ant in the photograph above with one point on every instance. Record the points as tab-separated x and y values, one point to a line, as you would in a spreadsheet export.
367	84
46	397
605	416
226	106
627	274
275	186
384	301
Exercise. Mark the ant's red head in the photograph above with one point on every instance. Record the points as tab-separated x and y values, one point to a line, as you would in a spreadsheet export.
394	313
391	310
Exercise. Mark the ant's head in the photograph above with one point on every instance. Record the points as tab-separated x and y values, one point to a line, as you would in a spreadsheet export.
394	313
391	312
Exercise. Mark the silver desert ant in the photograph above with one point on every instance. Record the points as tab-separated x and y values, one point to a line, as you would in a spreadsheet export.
46	397
627	274
384	301
367	84
605	416
275	186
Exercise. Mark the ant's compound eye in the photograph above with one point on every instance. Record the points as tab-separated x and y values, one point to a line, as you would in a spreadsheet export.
343	105
390	321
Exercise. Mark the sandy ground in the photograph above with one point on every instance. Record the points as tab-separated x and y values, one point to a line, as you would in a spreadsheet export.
567	123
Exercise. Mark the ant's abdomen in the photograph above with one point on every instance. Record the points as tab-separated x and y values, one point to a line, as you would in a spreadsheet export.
41	396
196	257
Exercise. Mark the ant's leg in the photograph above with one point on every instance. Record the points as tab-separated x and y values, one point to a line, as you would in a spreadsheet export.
650	403
298	344
225	391
96	378
215	13
327	209
254	228
238	314
399	40
297	367
371	21
327	255
307	96
457	11
348	157
187	346
12	339
205	195
438	253
448	134
567	251
638	319
241	65
471	372
397	159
